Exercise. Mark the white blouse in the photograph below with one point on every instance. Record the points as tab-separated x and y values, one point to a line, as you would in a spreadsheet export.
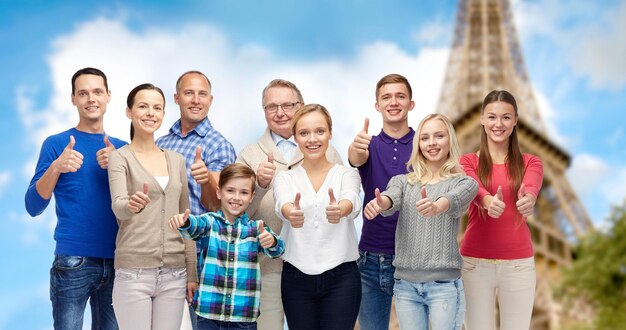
319	245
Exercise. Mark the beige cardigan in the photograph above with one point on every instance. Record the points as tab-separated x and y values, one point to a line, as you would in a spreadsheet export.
262	206
145	240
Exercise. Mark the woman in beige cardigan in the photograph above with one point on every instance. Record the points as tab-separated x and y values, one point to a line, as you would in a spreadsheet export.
155	268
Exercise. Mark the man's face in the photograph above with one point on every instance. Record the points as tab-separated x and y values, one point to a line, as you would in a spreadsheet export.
194	99
90	97
279	121
394	103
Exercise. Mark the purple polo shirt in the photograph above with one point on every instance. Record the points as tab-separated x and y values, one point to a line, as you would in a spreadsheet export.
388	158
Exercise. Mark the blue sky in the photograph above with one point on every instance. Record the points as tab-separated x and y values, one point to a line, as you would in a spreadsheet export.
335	51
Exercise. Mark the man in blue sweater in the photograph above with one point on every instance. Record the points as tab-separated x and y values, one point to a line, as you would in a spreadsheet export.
72	165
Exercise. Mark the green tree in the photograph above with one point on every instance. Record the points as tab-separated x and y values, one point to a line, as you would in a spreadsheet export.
598	274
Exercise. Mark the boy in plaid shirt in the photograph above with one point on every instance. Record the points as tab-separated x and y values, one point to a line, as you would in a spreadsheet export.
230	281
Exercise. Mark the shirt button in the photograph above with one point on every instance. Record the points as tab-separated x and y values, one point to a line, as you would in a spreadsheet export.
395	141
395	149
162	211
394	157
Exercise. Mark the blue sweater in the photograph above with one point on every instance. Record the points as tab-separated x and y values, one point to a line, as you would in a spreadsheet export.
86	225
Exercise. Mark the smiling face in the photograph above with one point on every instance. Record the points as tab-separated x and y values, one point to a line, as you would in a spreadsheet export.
194	98
279	121
394	103
147	112
235	196
434	142
90	98
499	120
312	133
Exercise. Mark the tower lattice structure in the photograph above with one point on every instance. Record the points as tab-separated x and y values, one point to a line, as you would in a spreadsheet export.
486	55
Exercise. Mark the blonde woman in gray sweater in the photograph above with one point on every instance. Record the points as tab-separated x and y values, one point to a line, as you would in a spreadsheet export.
431	199
155	268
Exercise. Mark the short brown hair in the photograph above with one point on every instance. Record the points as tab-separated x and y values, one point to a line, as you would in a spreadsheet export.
308	109
236	171
394	78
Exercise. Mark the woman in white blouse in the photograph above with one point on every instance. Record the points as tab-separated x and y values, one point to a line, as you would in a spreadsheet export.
321	285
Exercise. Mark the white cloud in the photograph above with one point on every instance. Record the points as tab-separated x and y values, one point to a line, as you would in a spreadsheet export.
587	172
432	33
238	74
5	179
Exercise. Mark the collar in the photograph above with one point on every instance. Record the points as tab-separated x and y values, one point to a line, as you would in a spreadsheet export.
407	138
202	129
243	219
277	138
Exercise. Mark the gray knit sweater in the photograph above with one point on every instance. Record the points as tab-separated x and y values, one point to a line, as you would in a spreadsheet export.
426	247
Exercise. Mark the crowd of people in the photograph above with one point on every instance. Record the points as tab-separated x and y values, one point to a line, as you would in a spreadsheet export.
266	238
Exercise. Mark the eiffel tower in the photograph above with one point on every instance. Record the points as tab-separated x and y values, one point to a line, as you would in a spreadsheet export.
486	55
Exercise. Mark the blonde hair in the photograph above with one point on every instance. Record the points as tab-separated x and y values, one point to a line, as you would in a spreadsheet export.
418	171
308	109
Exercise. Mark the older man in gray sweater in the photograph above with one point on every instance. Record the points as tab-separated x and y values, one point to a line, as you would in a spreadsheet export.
275	151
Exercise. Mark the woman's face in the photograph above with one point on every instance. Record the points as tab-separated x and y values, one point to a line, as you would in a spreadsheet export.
147	111
312	135
499	120
435	142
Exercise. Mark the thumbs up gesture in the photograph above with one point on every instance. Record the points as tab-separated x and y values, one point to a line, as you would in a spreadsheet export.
139	200
266	239
69	160
496	206
362	140
294	214
333	212
265	172
525	202
198	168
102	156
373	208
425	205
179	220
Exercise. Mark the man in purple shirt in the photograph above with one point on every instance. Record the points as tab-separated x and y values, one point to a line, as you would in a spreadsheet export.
378	158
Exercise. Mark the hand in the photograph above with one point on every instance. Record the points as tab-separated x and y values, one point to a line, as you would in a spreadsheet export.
333	212
191	290
373	208
362	140
496	207
525	202
295	215
102	156
139	200
265	172
69	160
266	239
425	205
198	168
179	220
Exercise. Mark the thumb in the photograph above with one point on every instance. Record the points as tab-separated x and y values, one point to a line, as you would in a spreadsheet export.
521	192
296	202
379	199
107	143
423	192
331	194
270	157
186	214
366	125
261	227
72	142
145	188
198	154
499	193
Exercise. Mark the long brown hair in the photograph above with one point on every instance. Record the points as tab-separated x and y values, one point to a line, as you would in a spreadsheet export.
514	160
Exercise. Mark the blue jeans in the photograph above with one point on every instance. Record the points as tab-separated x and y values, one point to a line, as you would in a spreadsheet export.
327	301
73	281
376	290
207	324
440	303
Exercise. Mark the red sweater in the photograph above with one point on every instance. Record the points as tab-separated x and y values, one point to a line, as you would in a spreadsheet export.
505	237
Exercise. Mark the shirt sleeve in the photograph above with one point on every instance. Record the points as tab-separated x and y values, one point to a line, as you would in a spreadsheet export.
34	203
350	189
471	169
282	193
221	156
199	226
118	172
461	195
395	191
533	175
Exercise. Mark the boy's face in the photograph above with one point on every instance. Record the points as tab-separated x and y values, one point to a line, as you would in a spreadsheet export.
235	196
394	103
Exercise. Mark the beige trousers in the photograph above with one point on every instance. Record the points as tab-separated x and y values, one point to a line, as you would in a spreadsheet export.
511	281
272	314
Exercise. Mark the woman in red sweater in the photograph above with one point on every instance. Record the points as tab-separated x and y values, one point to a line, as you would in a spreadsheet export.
497	251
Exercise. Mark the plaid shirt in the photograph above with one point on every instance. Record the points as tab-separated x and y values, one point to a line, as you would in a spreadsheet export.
230	281
217	152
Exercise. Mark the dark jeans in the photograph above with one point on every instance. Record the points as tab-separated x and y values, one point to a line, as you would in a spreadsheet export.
377	290
207	324
326	301
73	281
